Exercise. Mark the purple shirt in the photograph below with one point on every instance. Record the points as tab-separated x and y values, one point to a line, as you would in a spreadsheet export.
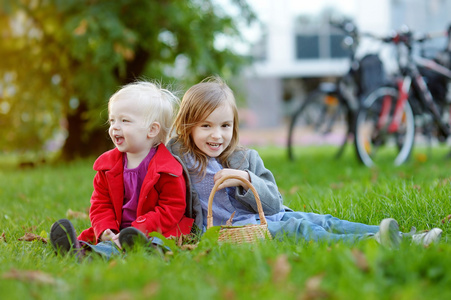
133	180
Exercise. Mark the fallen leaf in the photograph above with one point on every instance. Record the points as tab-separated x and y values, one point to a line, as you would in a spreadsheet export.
313	283
201	255
228	294
313	288
123	295
112	264
444	182
421	157
446	219
168	256
188	247
281	268
336	186
185	239
417	187
294	190
402	174
178	240
30	276
3	237
28	237
29	229
374	176
71	214
360	260
150	290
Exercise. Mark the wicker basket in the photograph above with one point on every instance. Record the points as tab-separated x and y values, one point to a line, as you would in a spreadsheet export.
239	234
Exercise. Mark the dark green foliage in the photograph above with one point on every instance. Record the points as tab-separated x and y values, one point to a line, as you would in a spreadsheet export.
63	59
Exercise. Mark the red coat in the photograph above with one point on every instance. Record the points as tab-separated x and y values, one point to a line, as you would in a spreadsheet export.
161	203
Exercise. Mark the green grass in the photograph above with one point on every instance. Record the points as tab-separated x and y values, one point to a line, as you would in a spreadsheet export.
417	194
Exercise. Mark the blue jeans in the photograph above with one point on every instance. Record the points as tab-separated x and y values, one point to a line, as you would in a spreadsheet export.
105	249
108	249
315	227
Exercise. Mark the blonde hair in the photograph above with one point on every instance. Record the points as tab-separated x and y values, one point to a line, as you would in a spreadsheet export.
157	104
197	104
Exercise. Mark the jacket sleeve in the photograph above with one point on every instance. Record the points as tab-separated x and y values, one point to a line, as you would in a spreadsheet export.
196	207
263	181
170	205
102	212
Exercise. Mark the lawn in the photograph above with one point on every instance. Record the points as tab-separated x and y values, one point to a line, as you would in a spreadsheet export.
416	194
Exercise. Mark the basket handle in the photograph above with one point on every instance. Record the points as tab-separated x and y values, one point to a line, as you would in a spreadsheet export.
248	184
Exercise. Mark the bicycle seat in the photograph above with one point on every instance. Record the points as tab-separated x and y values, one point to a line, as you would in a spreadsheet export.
328	87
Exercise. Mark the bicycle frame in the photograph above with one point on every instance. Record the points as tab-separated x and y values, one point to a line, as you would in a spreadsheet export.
337	100
404	89
386	123
414	80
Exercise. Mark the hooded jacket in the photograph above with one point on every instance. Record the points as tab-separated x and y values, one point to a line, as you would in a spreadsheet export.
261	178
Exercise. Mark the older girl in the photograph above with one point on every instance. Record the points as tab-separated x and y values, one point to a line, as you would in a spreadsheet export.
207	142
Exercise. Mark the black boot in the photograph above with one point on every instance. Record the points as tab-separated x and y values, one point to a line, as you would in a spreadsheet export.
64	238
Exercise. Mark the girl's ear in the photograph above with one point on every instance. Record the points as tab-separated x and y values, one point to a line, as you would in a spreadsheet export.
154	130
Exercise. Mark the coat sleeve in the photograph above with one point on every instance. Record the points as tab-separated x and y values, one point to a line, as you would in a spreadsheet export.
170	205
102	212
265	184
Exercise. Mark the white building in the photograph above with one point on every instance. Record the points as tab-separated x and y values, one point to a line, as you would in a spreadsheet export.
295	49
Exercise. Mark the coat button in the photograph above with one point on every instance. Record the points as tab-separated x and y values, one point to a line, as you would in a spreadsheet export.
140	219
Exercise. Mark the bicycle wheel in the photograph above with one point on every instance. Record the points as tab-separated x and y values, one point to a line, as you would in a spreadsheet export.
376	139
321	119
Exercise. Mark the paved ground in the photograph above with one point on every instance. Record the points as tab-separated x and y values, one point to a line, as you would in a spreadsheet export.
263	137
278	137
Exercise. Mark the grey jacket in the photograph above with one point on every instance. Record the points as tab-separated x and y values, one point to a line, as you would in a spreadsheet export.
261	178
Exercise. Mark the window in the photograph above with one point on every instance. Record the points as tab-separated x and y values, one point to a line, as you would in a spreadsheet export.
320	46
307	46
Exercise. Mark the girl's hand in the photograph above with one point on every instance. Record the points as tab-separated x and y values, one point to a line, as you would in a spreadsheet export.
115	239
109	235
231	182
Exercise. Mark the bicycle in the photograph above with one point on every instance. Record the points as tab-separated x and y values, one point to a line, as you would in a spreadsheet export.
328	112
386	122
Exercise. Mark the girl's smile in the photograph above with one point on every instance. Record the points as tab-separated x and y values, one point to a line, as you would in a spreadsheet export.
127	128
214	145
213	135
118	140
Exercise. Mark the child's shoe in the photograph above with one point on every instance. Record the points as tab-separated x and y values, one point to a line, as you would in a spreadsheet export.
64	238
130	236
428	237
388	234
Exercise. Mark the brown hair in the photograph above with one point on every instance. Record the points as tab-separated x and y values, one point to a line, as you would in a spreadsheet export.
197	104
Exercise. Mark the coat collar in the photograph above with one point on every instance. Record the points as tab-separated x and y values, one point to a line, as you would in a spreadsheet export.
163	162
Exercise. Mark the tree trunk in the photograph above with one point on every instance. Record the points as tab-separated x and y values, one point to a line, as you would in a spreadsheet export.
82	143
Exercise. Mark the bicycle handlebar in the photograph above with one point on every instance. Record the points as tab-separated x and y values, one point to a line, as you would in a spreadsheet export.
346	26
406	37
